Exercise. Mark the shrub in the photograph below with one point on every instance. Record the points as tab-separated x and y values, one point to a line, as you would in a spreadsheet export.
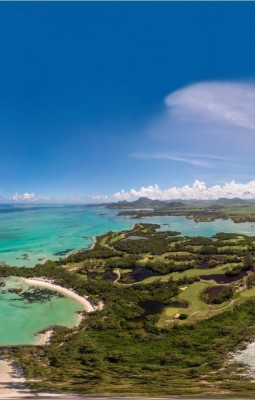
183	316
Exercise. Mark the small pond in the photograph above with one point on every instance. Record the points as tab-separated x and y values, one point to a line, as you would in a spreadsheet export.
138	274
203	265
133	237
155	307
177	304
150	308
214	291
222	278
108	275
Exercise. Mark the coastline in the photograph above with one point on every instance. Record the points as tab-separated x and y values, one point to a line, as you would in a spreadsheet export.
44	338
67	292
94	238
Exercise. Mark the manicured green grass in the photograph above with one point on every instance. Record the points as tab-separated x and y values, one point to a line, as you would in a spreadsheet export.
124	271
190	273
197	308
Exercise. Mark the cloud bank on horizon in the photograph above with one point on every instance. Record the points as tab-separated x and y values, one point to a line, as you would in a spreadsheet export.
197	191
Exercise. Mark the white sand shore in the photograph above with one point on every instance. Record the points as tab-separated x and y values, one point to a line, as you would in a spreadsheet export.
93	244
12	383
44	338
67	292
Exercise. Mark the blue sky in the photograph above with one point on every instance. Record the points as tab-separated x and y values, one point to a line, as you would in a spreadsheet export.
100	97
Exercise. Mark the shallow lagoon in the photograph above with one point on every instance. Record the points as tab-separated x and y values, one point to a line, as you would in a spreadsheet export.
22	319
189	227
33	234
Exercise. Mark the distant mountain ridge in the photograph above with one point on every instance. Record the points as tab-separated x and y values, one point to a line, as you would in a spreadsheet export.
145	202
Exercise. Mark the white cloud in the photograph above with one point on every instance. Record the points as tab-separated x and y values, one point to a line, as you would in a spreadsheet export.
205	125
100	197
199	160
34	198
197	191
222	102
24	197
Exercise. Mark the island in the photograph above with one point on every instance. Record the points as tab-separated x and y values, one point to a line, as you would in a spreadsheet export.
238	210
164	314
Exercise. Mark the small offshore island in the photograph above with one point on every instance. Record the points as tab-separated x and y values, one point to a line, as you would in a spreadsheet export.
164	314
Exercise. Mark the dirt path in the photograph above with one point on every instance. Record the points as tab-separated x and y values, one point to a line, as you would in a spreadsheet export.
117	272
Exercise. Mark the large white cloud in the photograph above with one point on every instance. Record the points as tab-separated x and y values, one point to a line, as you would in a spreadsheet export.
220	102
208	124
197	191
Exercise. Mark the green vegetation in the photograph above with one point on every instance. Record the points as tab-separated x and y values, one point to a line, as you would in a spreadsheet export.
238	210
159	331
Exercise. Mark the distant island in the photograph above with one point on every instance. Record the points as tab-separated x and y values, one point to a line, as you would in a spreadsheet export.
238	210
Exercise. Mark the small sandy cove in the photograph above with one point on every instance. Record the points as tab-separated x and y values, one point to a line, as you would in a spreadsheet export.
12	383
67	292
87	306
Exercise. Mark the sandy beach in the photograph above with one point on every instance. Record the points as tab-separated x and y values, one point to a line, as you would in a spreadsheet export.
12	384
44	337
66	292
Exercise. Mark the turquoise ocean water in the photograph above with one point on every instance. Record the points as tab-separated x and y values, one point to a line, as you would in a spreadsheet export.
33	234
21	319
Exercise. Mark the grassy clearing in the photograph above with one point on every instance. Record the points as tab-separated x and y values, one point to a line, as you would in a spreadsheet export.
124	271
190	273
197	309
